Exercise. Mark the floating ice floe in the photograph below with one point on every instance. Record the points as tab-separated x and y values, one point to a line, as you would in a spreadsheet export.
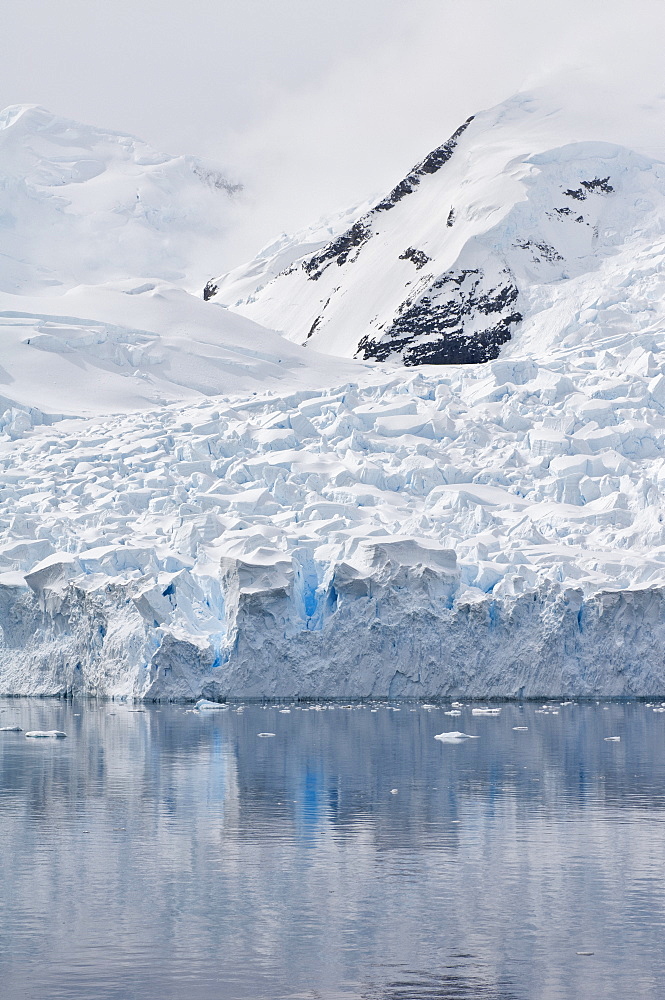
520	729
453	711
454	737
10	729
45	734
612	739
485	711
203	705
265	735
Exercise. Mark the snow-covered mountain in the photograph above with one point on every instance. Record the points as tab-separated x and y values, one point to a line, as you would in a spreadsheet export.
500	229
79	205
226	512
104	244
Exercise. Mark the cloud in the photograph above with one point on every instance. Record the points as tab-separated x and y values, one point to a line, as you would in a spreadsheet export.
315	105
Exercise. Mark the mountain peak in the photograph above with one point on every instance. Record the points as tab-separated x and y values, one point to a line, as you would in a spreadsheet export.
469	249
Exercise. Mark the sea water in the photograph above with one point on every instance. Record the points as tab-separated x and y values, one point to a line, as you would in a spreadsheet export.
160	853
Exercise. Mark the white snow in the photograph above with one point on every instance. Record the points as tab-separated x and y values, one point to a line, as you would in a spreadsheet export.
454	737
194	506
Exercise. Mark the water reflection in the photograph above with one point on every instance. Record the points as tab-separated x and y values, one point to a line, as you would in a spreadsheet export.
167	853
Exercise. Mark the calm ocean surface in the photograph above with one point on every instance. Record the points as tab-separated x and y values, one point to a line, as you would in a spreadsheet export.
160	854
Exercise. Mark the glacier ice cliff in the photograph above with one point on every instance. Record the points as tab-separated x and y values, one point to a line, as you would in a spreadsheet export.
398	537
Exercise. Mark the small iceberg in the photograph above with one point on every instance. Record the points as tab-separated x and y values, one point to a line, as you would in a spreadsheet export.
485	711
612	739
520	729
265	734
46	734
10	729
453	711
203	705
454	737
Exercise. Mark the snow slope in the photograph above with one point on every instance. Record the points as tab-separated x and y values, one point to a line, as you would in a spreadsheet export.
496	230
246	518
79	205
104	244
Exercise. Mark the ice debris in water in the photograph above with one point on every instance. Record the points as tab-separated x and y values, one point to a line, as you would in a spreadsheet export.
203	705
453	711
265	734
520	729
485	711
454	737
39	734
612	739
10	729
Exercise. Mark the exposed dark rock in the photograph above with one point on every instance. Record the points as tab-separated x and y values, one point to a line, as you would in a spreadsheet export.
210	289
589	187
450	221
545	251
340	249
418	257
314	326
432	162
598	184
216	180
431	329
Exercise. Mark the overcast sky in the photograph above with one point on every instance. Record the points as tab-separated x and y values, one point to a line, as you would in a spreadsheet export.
314	104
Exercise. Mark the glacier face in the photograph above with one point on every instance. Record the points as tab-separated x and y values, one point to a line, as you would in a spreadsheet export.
192	504
493	531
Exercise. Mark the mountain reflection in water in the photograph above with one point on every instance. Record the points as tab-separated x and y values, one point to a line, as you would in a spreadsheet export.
169	853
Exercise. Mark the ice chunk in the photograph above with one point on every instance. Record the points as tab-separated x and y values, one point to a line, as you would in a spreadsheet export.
40	734
203	705
454	737
10	729
485	711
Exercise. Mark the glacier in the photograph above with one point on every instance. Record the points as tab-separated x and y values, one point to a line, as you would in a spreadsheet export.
199	500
